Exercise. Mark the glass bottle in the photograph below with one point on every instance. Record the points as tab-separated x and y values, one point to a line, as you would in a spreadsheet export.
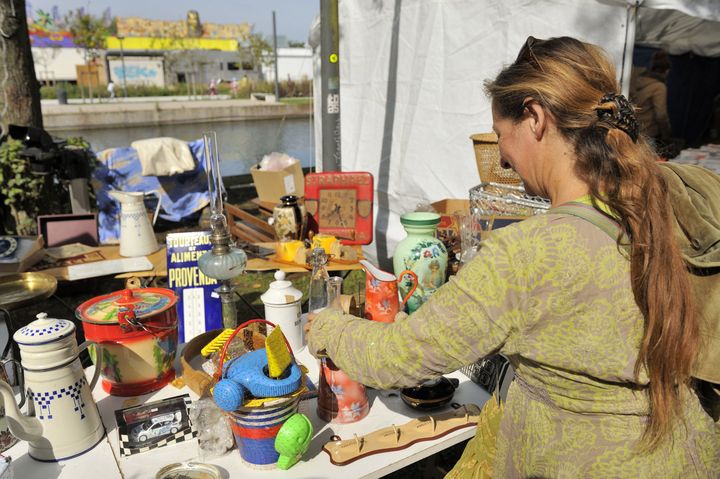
334	292
318	292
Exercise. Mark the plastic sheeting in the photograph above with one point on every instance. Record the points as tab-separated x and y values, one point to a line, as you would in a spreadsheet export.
180	195
412	74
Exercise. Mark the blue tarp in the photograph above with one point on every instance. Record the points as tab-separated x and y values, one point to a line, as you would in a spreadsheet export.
119	169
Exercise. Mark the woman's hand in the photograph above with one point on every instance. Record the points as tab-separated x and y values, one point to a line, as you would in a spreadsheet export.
307	327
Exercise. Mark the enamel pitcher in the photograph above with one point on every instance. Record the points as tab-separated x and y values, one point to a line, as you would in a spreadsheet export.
137	237
382	300
62	420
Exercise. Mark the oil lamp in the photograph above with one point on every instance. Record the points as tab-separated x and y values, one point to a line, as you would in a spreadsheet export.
224	261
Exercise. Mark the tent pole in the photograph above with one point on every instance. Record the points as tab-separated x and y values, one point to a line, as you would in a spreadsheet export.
630	28
330	84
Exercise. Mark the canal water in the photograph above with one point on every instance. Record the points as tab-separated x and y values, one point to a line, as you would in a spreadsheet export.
241	143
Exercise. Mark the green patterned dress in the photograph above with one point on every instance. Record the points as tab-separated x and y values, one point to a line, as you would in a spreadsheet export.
553	294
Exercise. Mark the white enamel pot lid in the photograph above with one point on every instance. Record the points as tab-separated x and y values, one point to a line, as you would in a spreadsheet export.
281	291
44	330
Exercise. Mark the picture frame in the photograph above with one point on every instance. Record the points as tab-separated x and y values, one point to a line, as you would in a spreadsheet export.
58	230
341	204
156	424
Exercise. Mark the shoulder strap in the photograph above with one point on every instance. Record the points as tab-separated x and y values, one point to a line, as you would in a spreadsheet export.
590	214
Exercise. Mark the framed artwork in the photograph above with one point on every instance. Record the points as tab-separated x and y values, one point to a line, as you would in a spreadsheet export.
152	425
341	204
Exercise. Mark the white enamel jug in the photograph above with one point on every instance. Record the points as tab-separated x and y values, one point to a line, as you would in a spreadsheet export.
136	233
62	420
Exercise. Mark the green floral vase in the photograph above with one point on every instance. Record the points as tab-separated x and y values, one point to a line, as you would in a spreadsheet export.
423	254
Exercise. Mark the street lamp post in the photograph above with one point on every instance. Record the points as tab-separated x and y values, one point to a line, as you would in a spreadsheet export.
122	61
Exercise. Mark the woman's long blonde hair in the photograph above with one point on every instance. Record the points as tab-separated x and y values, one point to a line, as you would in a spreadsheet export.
568	78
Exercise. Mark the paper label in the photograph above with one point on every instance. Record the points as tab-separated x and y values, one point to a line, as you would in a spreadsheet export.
289	184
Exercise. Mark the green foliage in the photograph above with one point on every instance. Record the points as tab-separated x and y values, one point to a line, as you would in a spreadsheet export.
27	195
259	49
89	31
292	44
20	189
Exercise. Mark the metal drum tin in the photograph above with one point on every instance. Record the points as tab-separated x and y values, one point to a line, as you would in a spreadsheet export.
136	331
189	470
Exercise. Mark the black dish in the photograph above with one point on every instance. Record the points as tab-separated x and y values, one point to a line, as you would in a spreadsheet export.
430	395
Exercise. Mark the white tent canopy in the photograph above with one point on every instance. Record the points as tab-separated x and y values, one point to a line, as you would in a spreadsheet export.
411	86
679	33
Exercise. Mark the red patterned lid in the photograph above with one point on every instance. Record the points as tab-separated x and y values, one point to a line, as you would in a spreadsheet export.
143	302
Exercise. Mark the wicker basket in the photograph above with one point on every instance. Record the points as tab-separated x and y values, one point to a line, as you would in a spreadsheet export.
487	156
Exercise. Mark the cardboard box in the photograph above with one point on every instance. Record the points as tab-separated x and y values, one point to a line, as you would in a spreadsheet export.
271	185
452	212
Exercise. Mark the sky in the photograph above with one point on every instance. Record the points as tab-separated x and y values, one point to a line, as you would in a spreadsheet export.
293	18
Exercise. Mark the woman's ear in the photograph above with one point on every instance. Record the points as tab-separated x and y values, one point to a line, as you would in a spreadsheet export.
537	118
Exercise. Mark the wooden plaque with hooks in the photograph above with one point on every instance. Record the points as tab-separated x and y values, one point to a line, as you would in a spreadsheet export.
393	438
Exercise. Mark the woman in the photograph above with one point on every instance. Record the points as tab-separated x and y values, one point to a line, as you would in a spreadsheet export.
602	344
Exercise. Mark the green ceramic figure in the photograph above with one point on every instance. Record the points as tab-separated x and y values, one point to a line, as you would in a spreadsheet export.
292	440
422	253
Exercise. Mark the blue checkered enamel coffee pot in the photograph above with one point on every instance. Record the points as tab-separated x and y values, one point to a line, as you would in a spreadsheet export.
62	419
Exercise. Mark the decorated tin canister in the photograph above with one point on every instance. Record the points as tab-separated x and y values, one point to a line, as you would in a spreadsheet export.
340	399
136	333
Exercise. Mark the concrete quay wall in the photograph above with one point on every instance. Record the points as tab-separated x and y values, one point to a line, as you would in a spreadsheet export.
155	113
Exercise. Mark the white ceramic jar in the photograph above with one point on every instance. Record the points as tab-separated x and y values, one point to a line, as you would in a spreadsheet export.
283	307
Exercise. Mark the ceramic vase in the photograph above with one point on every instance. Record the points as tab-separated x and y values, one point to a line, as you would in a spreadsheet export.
289	219
423	254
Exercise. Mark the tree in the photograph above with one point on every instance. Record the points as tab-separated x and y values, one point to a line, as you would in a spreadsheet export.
19	89
260	50
89	32
293	44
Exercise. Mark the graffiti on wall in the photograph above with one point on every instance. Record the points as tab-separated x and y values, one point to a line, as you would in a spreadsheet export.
47	28
137	72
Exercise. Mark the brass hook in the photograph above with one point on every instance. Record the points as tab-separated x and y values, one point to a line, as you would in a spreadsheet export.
397	433
359	441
